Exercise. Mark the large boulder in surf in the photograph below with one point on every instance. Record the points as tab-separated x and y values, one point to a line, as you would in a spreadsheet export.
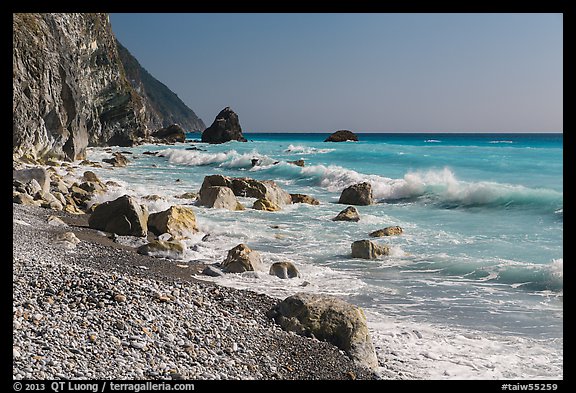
226	127
220	197
330	319
265	189
342	136
122	216
249	188
241	259
366	249
172	133
357	194
178	221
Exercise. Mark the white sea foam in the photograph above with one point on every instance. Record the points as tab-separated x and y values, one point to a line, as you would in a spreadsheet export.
305	150
408	347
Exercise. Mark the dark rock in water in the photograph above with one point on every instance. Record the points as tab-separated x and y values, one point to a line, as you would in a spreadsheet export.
329	319
357	194
297	163
250	188
368	250
265	205
284	270
342	136
226	127
255	161
172	133
118	160
219	197
303	198
150	153
123	216
348	214
388	231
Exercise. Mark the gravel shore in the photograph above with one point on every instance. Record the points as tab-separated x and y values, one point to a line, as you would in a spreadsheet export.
99	310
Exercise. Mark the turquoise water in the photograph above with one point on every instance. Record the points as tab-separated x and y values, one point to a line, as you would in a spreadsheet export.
482	248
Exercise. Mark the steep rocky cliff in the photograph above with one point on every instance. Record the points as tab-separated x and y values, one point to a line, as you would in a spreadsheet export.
163	107
70	88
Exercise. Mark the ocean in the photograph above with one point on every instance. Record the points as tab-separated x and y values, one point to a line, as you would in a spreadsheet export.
473	287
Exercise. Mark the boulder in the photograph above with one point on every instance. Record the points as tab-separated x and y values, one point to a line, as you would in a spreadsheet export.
220	197
187	195
284	270
23	198
368	250
122	216
357	194
40	175
117	160
172	133
348	214
266	205
241	259
250	188
212	271
329	319
178	221
266	189
302	198
226	127
342	136
91	177
388	231
163	249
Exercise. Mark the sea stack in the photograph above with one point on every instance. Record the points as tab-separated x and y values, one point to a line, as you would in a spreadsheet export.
342	136
226	127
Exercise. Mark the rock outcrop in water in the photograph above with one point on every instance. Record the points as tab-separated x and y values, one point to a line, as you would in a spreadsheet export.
226	127
71	89
342	136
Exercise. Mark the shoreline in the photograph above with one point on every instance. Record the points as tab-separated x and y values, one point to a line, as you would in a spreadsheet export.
68	322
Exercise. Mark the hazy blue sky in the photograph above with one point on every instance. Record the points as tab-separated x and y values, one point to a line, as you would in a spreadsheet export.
363	72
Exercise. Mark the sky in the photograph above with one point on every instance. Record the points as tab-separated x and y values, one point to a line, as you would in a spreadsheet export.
377	72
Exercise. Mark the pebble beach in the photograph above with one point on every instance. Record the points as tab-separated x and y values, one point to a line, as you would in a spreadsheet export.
86	307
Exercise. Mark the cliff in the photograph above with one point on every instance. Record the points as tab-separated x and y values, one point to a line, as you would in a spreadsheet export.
70	88
163	107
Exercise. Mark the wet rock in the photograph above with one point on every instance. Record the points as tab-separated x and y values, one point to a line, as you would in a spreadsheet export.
241	259
226	127
178	221
388	231
342	136
122	216
357	194
330	319
348	214
368	250
284	270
